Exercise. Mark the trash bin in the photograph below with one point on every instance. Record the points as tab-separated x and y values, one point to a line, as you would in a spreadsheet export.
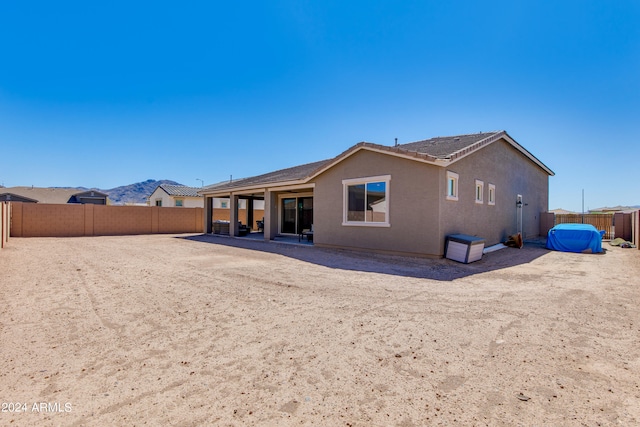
464	248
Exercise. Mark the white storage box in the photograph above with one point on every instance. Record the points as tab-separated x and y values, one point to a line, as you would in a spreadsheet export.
463	248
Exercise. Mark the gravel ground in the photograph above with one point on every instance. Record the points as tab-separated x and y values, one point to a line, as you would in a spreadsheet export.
203	330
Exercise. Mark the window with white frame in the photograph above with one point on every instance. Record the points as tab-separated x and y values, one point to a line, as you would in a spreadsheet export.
366	201
479	191
492	194
179	203
158	202
452	185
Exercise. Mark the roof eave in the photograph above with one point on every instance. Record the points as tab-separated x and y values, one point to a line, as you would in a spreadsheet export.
460	154
252	188
383	149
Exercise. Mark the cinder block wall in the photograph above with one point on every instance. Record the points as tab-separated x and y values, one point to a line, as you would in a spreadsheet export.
48	220
622	223
44	220
123	220
547	221
174	220
224	214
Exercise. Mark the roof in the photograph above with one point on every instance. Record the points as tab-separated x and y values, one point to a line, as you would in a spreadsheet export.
443	147
45	195
624	209
561	211
12	197
441	151
295	173
91	193
179	190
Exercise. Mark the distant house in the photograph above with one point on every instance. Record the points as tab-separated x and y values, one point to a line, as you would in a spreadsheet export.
614	209
10	197
399	199
93	197
561	212
54	195
168	195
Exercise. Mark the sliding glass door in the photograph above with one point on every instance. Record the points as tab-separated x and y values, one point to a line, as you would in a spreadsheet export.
289	211
297	214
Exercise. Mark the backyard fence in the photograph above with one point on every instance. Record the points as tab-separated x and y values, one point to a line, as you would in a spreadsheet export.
599	221
71	220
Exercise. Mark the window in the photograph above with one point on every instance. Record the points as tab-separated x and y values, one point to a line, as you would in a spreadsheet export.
179	203
452	186
479	191
492	194
366	201
224	204
158	202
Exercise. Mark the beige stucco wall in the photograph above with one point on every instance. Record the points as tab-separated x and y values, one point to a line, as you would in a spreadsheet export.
412	205
420	216
191	202
170	201
512	174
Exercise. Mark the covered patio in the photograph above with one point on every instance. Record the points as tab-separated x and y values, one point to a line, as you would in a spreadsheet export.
280	213
286	239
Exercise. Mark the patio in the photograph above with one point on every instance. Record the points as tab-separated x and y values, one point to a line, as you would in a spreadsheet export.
285	239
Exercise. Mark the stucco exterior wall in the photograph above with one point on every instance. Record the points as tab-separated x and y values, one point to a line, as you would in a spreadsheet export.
420	215
413	196
160	194
170	201
192	202
512	173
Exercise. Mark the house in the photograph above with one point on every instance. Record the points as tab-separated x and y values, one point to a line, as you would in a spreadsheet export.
92	196
53	195
169	195
400	199
614	209
11	197
561	211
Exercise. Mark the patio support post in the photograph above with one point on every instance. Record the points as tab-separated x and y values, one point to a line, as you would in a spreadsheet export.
270	214
250	221
233	216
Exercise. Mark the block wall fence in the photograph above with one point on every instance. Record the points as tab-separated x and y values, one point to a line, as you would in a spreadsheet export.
74	220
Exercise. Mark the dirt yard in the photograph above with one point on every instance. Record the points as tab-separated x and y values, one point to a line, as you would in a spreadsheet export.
200	330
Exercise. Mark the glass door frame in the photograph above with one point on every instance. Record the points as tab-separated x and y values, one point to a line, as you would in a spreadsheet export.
281	198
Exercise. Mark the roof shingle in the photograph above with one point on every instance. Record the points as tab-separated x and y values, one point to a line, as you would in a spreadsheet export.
180	190
442	148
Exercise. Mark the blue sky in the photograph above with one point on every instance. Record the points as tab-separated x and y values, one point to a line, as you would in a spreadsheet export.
103	94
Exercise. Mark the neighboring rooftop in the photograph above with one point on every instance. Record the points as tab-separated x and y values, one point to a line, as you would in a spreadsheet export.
624	209
45	195
180	190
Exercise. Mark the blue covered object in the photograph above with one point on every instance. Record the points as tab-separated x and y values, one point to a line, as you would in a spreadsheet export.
574	238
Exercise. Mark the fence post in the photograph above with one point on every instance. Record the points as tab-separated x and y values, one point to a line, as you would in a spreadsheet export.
3	223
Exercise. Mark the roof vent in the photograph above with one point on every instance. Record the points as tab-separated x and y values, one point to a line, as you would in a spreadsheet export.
396	142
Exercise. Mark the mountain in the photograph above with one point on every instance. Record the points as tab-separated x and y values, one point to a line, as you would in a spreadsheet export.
135	193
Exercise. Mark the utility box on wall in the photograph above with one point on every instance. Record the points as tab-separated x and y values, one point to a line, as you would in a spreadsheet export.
463	248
